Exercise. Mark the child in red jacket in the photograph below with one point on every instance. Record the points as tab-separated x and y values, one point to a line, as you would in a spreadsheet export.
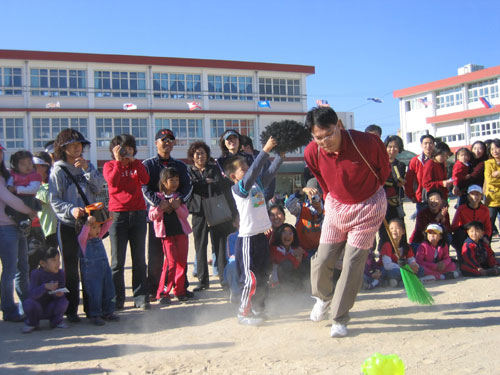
478	258
461	173
434	175
286	256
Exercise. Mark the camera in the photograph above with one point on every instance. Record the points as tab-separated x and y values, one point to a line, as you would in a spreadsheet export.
123	152
315	198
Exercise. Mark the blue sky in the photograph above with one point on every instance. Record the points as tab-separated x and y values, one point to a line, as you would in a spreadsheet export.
360	49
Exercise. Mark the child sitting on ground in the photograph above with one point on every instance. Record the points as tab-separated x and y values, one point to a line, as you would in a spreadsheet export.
172	228
252	245
24	182
478	258
390	259
286	257
46	298
433	255
373	274
94	266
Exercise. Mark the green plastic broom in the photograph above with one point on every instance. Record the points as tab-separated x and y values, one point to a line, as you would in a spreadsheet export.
414	288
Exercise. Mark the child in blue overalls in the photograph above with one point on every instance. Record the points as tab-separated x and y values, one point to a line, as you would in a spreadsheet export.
95	270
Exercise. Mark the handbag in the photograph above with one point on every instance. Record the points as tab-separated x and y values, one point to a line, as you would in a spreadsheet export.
216	209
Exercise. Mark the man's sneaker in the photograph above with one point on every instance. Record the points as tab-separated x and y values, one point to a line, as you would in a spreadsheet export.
143	306
249	320
338	330
97	321
73	318
165	300
189	294
320	310
28	329
260	314
111	317
393	283
62	325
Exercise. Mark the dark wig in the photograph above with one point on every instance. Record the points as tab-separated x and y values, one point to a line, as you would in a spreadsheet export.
222	143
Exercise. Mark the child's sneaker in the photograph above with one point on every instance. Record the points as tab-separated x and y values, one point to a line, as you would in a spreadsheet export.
249	320
97	321
320	310
428	279
28	328
393	283
111	317
338	330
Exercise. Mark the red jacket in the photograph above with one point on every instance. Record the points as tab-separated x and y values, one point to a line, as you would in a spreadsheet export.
413	186
345	175
470	252
460	171
279	254
433	176
465	215
124	185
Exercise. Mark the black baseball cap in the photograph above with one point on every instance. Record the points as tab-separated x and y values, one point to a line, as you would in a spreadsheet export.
165	133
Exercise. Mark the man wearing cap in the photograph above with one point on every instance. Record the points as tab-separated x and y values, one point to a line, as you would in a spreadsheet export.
351	168
472	210
164	141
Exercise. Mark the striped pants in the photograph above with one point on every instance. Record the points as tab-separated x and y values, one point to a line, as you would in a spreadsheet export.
253	262
347	229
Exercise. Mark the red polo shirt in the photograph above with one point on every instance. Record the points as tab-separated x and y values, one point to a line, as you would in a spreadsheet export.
344	174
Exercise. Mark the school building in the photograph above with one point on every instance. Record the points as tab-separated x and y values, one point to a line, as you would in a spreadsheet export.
104	95
459	110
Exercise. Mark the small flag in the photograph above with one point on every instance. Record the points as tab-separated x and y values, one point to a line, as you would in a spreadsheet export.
264	103
193	105
53	105
322	103
375	100
129	106
424	101
485	102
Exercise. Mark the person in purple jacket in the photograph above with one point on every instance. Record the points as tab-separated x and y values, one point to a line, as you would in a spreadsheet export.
46	299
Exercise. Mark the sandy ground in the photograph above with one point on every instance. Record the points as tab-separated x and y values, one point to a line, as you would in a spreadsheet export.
457	335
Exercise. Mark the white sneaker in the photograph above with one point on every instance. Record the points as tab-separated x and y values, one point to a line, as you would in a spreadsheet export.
393	283
249	320
320	310
428	279
338	330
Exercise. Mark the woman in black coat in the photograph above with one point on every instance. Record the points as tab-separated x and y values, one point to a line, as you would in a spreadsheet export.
205	173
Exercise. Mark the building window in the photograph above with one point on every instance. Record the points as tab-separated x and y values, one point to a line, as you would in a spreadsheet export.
176	86
449	98
108	128
120	84
417	103
12	133
46	129
244	127
230	88
487	89
453	138
58	82
11	81
279	89
186	131
482	126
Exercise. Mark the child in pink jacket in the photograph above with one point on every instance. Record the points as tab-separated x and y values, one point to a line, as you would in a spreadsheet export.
171	226
433	255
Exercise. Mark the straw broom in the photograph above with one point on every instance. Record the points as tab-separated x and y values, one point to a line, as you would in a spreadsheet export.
414	288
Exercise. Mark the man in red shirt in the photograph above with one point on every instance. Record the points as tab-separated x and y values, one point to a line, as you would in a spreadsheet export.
413	186
355	205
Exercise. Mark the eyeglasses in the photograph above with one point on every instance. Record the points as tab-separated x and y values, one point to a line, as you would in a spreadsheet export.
325	138
167	140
